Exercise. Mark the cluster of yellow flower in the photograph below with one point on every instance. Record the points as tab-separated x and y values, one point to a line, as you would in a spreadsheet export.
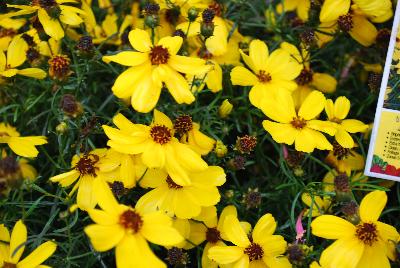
185	52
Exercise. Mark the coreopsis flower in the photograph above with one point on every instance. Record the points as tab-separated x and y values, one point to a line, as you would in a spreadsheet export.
15	57
300	128
12	247
308	79
8	29
108	30
150	67
127	229
344	159
88	170
261	247
337	112
270	72
190	134
211	230
301	7
355	17
51	13
23	146
318	205
158	146
370	243
168	195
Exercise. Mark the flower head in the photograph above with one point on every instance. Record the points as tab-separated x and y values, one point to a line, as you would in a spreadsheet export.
369	242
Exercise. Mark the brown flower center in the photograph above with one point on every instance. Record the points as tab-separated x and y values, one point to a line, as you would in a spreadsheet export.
367	233
159	55
254	251
345	22
213	235
59	66
9	265
183	124
264	77
341	182
8	166
305	77
172	184
339	152
131	220
86	165
298	122
161	134
246	144
204	53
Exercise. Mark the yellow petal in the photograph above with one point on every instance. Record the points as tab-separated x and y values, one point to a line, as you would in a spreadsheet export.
177	173
127	58
106	199
279	107
354	126
234	232
273	245
140	40
69	15
3	61
228	210
157	232
374	256
332	9
214	78
104	237
51	26
33	72
312	105
277	261
140	255
225	254
101	217
363	31
281	133
243	77
258	52
172	43
332	227
342	107
25	146
18	238
162	119
67	178
86	198
265	226
330	109
325	83
145	94
39	255
344	138
372	205
4	234
154	156
16	52
188	65
212	176
189	159
344	253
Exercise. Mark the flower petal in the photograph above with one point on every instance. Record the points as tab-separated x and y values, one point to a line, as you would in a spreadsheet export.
258	52
372	206
51	26
39	255
127	58
363	31
344	253
17	241
157	229
243	77
265	226
234	232
140	40
332	9
332	227
312	105
172	43
225	254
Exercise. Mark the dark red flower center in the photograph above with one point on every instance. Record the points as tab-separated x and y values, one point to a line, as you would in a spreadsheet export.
183	124
172	184
213	235
131	220
86	164
159	55
254	251
305	77
298	122
367	233
161	134
345	22
263	76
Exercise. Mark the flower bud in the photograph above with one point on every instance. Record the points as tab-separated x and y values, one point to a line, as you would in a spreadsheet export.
62	127
225	109
193	13
220	149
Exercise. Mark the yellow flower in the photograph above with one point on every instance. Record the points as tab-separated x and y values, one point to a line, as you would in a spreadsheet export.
190	134
211	230
16	56
345	159
107	31
367	244
225	109
9	28
271	72
337	112
355	18
300	128
319	205
150	67
260	248
308	79
50	14
12	246
301	7
88	170
158	146
128	229
168	195
23	146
